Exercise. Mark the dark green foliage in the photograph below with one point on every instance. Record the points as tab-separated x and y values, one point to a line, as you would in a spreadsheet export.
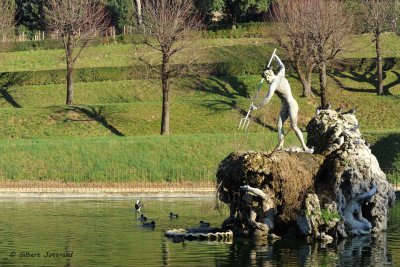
234	10
122	13
328	216
30	14
386	148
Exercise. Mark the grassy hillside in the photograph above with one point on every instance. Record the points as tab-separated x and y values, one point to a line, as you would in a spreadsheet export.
207	50
112	131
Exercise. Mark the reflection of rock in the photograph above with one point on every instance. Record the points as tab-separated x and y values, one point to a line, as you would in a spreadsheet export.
370	250
338	192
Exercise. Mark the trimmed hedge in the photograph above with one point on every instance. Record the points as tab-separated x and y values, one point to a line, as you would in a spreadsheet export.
253	29
233	68
229	68
50	44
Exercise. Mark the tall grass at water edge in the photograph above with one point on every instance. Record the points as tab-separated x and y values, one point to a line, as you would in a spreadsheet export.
151	158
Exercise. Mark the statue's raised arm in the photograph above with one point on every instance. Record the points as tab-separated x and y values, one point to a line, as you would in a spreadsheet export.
281	70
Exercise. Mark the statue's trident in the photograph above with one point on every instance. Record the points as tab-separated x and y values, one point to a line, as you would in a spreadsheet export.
244	122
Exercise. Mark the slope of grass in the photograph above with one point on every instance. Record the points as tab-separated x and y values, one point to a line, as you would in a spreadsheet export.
112	131
199	105
127	54
206	50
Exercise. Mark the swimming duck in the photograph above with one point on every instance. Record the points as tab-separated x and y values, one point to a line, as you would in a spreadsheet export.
138	205
151	224
142	218
204	224
172	215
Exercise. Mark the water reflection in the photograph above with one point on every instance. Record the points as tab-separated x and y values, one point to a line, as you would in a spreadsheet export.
107	233
365	251
360	251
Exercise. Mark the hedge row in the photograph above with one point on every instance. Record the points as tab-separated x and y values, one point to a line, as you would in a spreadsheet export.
233	68
51	44
254	29
230	68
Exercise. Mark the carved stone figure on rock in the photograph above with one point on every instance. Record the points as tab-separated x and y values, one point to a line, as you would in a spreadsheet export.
352	213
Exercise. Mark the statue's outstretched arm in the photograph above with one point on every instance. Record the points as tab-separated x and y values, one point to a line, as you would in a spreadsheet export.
269	95
255	191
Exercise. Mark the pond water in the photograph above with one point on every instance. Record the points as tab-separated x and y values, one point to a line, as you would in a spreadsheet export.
107	233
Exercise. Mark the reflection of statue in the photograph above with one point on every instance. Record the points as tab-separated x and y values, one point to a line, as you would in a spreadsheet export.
290	108
352	213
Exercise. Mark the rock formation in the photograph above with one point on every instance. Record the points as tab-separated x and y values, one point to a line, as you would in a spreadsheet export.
338	191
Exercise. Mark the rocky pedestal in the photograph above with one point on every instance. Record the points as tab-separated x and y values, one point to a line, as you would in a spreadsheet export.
338	191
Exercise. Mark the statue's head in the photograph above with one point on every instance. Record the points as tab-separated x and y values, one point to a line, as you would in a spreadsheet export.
269	75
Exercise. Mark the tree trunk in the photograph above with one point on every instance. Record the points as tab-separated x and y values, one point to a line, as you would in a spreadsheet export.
305	78
234	20
70	70
139	12
165	91
322	83
165	109
70	84
379	67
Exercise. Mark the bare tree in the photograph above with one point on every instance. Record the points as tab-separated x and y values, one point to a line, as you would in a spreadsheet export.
324	26
380	16
291	34
328	33
77	22
7	22
170	26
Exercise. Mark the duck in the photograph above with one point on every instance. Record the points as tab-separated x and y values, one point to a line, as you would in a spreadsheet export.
138	205
172	215
142	218
151	224
204	224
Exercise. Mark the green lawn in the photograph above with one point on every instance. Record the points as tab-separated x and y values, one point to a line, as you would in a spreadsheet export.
112	131
207	50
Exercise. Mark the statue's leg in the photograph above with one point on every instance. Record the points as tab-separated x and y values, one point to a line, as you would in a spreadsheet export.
367	224
293	110
283	115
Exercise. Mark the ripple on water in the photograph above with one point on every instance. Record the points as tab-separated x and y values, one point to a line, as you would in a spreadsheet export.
107	233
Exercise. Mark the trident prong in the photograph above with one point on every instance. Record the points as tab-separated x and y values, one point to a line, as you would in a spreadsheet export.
244	122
